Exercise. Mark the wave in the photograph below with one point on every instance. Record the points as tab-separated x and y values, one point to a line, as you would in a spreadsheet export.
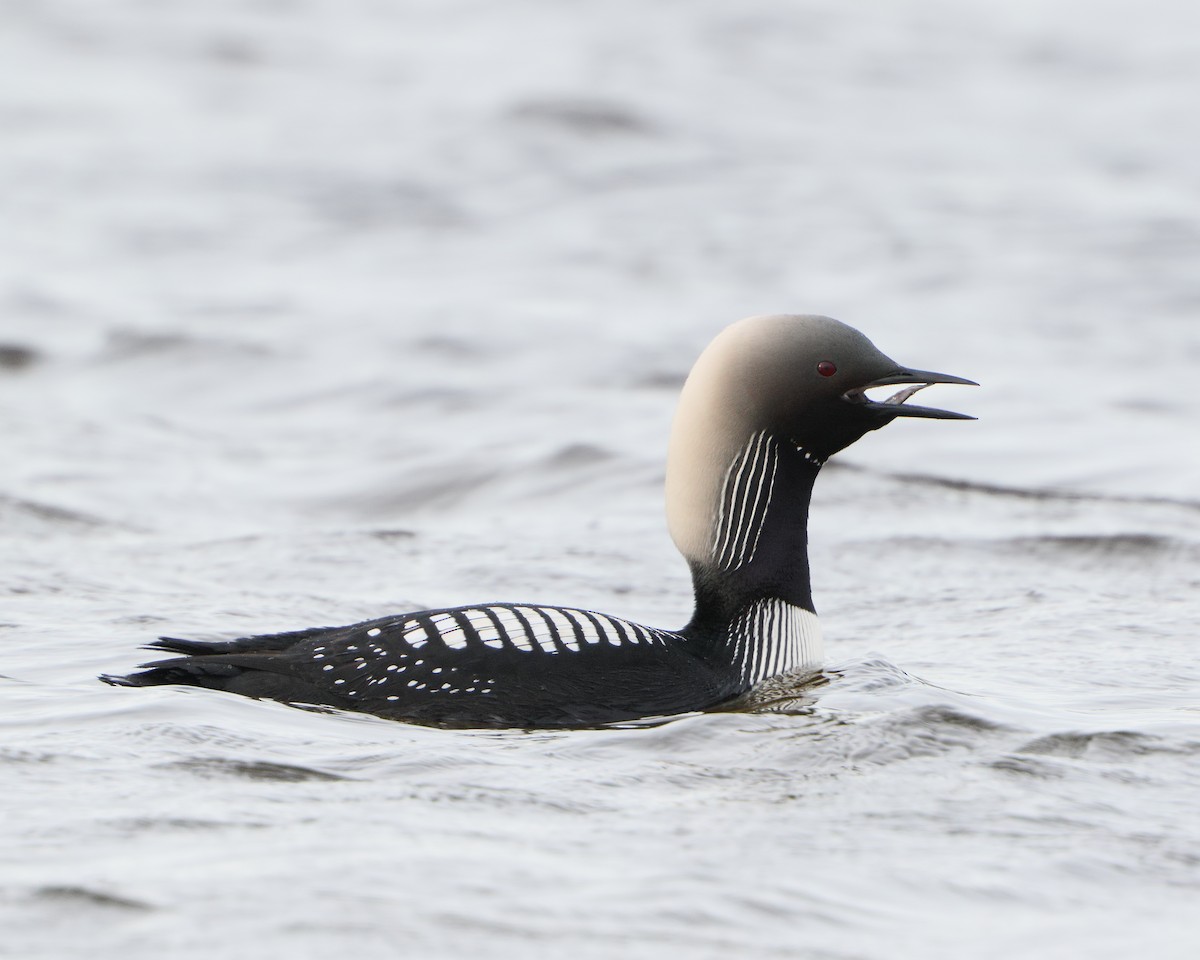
1023	493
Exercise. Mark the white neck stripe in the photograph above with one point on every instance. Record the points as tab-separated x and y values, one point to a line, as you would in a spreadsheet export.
744	501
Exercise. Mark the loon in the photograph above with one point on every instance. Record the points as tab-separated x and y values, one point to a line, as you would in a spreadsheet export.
766	404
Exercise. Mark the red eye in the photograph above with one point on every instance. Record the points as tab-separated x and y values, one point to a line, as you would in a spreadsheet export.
826	368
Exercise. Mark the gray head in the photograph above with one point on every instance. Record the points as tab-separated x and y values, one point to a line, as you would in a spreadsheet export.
799	379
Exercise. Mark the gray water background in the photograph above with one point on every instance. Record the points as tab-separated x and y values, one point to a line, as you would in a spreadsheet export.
316	310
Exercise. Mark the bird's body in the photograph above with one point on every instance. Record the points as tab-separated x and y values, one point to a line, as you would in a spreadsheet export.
501	664
766	404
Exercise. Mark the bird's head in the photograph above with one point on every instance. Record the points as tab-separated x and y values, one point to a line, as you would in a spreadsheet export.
802	379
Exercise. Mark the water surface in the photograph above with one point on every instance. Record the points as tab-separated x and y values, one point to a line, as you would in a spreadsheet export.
313	311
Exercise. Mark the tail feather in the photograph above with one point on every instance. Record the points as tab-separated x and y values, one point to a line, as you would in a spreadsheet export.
116	680
185	670
263	675
263	643
191	648
212	664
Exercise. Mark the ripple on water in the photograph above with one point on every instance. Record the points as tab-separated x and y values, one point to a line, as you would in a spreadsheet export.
1125	548
1104	745
19	516
16	356
76	897
251	770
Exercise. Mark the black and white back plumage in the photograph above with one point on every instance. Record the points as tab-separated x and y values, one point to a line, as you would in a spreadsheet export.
765	405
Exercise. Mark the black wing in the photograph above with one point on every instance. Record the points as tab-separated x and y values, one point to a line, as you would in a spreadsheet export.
487	665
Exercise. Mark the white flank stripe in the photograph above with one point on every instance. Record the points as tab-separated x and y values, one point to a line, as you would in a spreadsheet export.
787	649
774	631
772	637
766	640
792	654
454	637
777	631
489	636
759	639
538	630
565	627
609	629
521	641
477	618
508	620
625	629
544	629
590	634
